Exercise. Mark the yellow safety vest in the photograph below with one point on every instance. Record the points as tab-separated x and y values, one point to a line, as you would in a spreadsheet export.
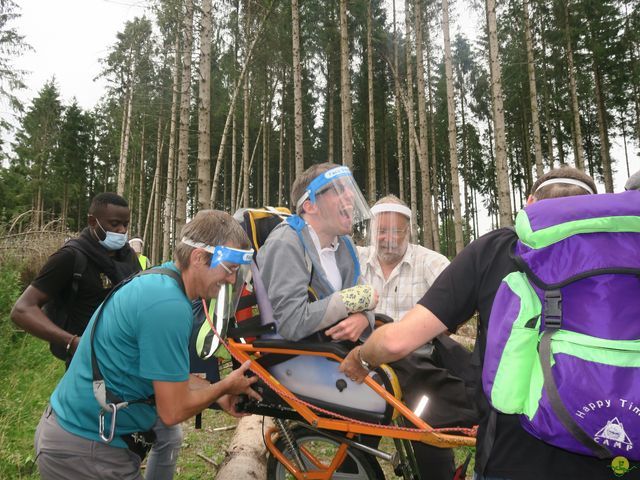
144	261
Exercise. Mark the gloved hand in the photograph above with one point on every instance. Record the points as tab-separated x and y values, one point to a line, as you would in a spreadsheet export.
359	298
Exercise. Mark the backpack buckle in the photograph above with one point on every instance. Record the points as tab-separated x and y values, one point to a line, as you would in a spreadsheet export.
552	309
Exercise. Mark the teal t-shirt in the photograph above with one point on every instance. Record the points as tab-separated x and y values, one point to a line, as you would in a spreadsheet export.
143	335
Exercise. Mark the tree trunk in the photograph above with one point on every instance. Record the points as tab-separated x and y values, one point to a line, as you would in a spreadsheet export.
169	203
372	123
547	101
502	168
330	119
435	227
266	119
204	109
575	109
345	89
141	185
411	124
156	195
246	169
533	96
246	455
398	108
423	153
281	147
451	128
603	130
234	165
122	163
297	88
183	138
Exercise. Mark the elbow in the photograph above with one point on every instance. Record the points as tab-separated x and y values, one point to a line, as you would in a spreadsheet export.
394	346
169	418
17	314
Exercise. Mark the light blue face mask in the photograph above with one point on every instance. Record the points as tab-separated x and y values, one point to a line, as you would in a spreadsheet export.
113	241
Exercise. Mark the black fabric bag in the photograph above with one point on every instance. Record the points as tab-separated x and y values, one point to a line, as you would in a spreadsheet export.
444	373
57	308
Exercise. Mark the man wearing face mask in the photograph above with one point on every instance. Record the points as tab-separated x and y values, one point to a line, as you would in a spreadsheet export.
108	258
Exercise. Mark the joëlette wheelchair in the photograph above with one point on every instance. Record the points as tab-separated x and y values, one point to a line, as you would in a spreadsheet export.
320	414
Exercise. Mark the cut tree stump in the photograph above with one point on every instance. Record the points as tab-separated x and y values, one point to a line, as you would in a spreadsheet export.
246	456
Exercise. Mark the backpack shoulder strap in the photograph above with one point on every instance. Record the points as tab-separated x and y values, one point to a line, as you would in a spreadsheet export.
108	401
79	266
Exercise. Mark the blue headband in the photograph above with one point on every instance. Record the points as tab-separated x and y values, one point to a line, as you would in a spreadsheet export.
221	253
321	181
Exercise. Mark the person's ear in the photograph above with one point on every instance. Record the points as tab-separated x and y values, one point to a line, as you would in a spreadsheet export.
309	206
531	199
91	220
197	257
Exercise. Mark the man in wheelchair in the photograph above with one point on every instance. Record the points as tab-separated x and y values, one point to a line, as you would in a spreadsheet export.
311	273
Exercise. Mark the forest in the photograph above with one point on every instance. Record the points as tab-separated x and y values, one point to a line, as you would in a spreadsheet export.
221	104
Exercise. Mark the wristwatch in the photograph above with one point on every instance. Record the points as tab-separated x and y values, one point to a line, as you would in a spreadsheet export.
362	361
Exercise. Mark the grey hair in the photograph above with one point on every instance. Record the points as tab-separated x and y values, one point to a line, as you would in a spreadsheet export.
212	227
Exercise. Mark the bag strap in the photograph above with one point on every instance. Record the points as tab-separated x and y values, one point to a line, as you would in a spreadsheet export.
553	321
79	266
109	401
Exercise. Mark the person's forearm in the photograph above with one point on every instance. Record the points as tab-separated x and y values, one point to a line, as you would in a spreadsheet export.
197	397
32	320
394	341
375	351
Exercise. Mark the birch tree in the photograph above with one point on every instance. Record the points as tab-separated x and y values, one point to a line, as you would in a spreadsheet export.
533	95
204	109
371	116
453	144
345	89
297	88
502	170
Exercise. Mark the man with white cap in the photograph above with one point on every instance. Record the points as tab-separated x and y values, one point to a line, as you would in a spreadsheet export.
399	270
136	244
633	182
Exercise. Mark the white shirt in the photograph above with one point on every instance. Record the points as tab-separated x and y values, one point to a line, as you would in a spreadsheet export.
408	281
328	259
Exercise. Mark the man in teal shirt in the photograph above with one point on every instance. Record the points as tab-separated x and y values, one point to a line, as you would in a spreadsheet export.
141	347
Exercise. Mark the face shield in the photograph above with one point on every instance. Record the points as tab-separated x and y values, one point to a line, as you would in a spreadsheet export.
234	263
390	231
338	199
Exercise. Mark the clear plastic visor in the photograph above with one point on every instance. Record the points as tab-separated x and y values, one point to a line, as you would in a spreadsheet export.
338	198
390	234
220	310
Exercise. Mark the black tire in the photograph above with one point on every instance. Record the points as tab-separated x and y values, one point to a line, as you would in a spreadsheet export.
357	465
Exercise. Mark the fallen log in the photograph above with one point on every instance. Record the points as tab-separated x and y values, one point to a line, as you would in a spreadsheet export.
246	455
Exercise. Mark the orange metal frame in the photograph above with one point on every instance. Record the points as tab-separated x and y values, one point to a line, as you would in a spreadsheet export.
421	431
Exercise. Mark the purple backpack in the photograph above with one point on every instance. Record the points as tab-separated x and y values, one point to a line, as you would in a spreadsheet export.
563	342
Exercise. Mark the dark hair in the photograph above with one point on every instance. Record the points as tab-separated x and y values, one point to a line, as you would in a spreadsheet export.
107	198
556	190
301	182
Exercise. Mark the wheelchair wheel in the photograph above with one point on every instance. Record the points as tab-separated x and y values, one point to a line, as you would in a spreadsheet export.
357	465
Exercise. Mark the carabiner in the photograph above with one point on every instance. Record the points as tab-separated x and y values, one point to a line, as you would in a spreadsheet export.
112	430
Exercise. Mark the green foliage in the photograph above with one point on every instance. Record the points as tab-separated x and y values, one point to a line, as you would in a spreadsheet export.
12	45
27	375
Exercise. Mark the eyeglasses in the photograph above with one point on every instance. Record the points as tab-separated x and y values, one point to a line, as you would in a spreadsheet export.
393	231
230	270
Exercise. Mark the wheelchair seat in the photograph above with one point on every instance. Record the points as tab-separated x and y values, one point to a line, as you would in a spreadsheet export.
317	380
